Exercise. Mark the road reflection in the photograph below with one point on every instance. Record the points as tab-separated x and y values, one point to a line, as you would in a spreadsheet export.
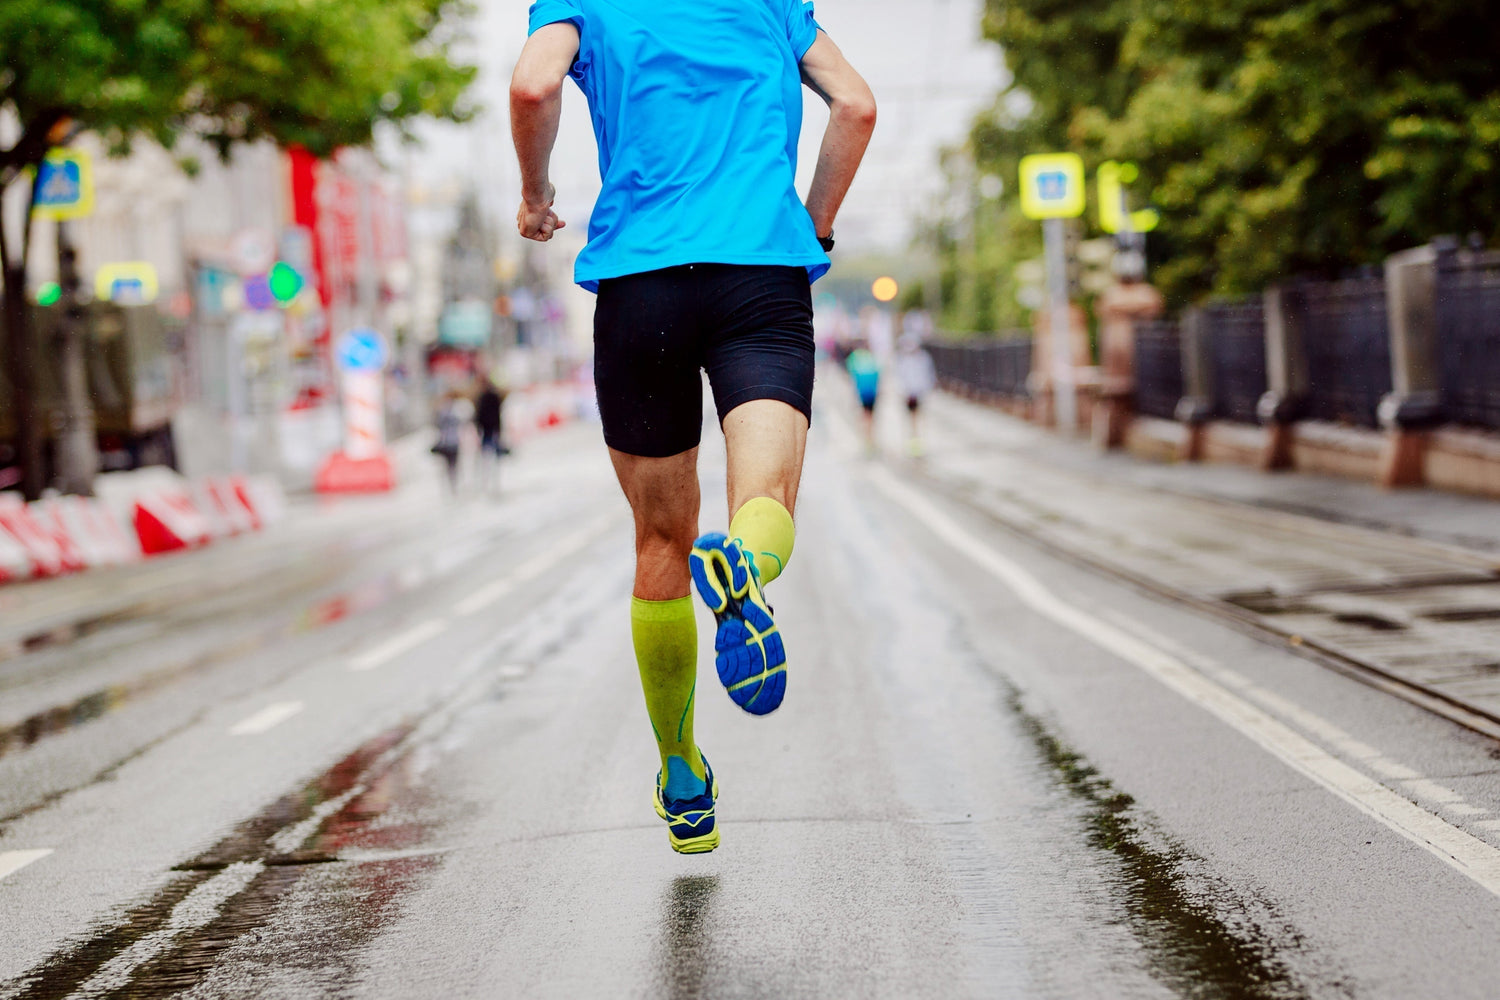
682	959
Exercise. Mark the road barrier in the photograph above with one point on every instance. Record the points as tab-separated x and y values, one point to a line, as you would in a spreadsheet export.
142	513
46	554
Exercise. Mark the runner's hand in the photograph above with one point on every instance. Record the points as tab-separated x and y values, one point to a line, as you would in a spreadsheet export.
538	222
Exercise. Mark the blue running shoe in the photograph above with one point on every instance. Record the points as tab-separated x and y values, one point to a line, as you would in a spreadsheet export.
751	658
690	822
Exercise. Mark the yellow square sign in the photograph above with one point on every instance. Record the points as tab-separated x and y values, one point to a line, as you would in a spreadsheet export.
1052	186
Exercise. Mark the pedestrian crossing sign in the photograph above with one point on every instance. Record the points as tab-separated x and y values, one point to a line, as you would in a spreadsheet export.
1052	186
64	185
128	283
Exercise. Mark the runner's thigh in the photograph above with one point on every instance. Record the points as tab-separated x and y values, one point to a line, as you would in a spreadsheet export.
646	360
758	336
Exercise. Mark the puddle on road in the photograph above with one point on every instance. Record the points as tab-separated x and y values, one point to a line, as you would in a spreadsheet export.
1200	940
681	958
364	802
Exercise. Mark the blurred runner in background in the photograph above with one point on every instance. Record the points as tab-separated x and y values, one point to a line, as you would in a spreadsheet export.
453	412
917	376
487	410
864	369
702	255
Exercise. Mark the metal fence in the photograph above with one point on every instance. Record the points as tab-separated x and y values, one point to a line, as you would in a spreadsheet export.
1236	331
1468	336
1348	347
988	367
1158	368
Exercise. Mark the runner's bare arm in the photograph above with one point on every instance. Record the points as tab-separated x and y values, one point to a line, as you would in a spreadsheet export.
535	111
851	121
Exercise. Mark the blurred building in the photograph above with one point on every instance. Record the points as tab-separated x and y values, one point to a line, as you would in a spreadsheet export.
254	366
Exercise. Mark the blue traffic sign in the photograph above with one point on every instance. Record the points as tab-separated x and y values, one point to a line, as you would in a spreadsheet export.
1052	186
64	185
361	350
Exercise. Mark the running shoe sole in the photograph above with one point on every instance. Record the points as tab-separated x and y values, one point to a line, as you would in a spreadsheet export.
751	658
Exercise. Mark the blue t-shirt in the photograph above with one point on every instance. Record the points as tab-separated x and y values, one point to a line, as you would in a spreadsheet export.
865	371
697	107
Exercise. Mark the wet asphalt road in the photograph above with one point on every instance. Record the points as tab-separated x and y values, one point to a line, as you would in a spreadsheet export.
413	762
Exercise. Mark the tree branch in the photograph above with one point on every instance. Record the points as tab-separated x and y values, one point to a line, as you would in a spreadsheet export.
32	146
4	244
26	228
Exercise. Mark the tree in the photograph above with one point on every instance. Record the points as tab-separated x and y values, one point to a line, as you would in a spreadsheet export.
1276	138
316	73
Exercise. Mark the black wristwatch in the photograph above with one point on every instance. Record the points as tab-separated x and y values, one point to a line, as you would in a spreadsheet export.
826	242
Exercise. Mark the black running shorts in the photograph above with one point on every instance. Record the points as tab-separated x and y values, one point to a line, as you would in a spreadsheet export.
748	326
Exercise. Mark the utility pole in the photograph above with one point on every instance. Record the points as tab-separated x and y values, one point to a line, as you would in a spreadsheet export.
1061	321
21	370
77	447
1052	190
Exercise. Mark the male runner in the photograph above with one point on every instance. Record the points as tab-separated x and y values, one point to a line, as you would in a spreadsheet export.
702	256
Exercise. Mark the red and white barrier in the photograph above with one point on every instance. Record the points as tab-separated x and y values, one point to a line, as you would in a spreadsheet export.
263	497
222	510
87	528
140	513
15	561
48	557
167	520
542	407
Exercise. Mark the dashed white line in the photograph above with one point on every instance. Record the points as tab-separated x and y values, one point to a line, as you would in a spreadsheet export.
535	566
1465	853
398	644
485	596
267	718
13	861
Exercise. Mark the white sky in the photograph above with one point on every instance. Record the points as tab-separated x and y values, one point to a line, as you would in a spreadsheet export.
924	59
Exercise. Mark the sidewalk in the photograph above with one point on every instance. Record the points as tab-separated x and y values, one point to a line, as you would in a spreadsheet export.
1402	588
33	613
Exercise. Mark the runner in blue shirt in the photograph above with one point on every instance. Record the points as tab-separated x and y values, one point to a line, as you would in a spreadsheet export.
702	256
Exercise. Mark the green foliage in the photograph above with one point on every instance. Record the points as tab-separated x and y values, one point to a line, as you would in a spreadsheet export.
978	242
1275	138
319	73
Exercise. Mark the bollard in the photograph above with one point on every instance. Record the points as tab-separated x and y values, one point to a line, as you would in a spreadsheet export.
1414	405
1196	406
1120	308
1286	376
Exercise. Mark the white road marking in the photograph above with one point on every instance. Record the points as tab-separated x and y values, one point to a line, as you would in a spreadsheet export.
535	566
512	671
398	644
13	861
1423	788
485	596
1330	734
267	718
1465	853
200	907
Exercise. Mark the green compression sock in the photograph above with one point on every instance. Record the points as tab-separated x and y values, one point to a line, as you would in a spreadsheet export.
765	530
666	651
